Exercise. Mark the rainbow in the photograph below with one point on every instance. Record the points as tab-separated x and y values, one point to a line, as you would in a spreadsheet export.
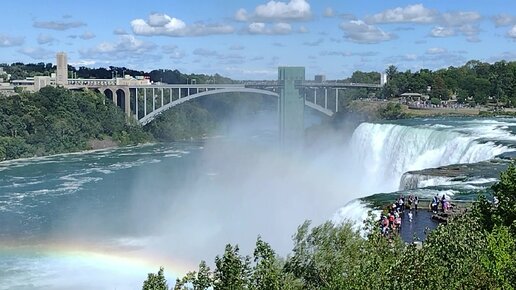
58	264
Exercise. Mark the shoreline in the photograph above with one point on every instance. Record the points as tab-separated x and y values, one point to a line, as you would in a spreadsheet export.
86	151
372	107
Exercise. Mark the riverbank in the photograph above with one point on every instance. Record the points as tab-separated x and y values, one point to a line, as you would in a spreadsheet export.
373	108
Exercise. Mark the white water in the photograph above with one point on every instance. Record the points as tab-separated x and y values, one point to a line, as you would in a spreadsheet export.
383	152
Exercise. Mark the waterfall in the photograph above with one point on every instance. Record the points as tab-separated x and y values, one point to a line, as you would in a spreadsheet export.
383	152
412	181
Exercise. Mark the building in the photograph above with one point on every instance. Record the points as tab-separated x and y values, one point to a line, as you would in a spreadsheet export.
42	81
62	69
128	80
320	78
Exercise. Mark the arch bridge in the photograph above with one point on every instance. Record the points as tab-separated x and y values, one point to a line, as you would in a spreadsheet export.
146	102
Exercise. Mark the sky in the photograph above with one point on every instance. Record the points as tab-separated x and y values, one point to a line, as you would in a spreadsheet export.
249	39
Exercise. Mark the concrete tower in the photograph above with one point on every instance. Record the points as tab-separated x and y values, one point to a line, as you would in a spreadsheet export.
62	69
291	105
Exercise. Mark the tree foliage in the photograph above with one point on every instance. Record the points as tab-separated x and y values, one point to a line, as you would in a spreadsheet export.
56	120
155	281
481	82
391	112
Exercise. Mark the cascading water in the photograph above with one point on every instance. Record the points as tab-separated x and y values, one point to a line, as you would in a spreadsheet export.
384	152
412	181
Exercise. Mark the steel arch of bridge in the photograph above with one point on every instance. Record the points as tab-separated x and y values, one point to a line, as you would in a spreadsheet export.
149	117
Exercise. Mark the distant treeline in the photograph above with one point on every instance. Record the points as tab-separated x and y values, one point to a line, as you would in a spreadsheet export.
476	82
20	70
473	83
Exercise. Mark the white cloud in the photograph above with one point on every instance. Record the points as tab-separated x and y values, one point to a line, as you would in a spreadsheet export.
275	29
441	31
303	29
281	28
471	32
436	50
328	12
277	10
256	27
126	46
360	32
87	35
460	18
45	39
58	25
37	53
273	11
241	15
158	20
504	20
416	13
446	24
7	41
512	33
463	22
162	24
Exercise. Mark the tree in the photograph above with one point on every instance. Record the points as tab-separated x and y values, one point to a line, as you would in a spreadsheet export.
391	72
504	211
155	281
267	273
391	112
232	270
439	89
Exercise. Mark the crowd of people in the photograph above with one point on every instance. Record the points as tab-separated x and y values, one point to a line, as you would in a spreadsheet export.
390	221
443	201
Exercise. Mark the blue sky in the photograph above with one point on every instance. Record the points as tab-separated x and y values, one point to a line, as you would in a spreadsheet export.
249	39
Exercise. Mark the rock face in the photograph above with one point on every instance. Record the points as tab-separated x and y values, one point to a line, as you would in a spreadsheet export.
456	210
95	144
453	173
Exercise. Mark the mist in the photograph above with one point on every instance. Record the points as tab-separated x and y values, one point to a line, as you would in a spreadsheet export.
244	185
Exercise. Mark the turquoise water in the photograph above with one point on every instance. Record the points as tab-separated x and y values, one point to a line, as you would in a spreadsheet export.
91	219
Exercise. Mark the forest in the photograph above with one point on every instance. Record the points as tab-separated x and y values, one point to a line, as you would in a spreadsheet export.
56	120
473	83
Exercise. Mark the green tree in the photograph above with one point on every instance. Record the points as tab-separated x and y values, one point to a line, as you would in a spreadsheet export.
504	211
155	281
232	270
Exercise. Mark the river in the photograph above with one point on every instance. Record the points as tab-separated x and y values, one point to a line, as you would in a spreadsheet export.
104	219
